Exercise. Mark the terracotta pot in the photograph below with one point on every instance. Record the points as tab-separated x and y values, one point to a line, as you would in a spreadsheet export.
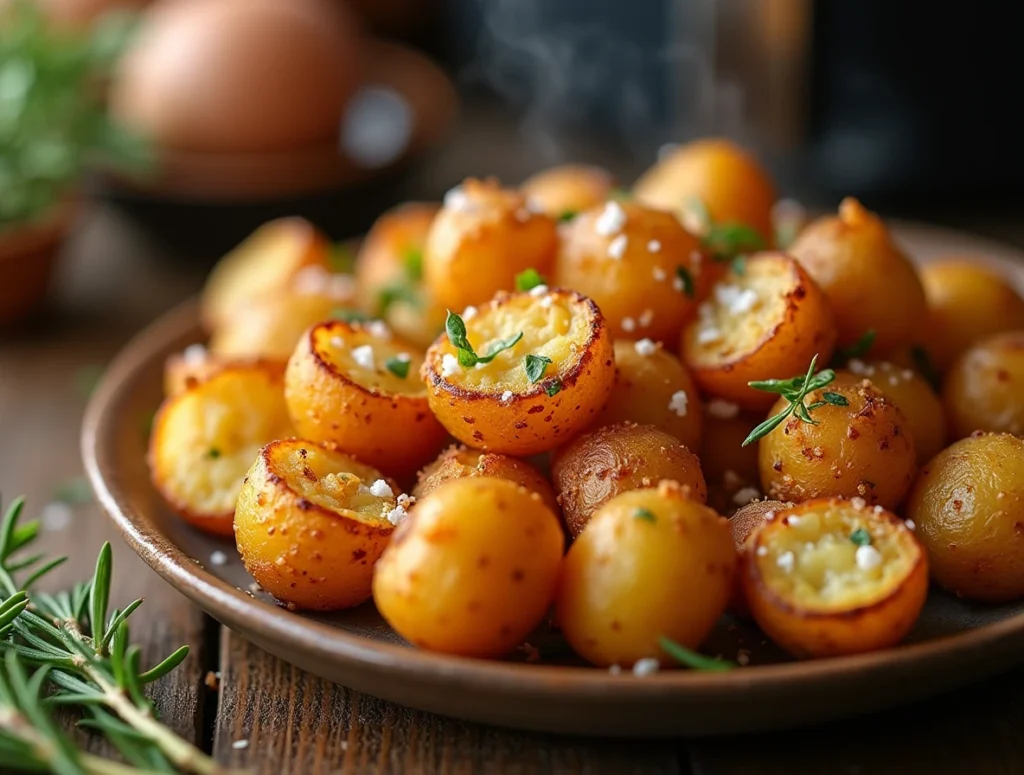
28	255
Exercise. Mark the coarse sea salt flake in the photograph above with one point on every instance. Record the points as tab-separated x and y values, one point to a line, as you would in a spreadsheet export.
653	246
617	247
628	324
218	558
722	410
646	666
363	356
868	557
194	354
538	290
678	403
645	347
381	489
708	334
745	495
506	396
611	220
786	561
659	274
449	365
469	313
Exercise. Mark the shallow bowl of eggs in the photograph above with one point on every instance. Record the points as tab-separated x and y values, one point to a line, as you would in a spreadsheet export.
554	458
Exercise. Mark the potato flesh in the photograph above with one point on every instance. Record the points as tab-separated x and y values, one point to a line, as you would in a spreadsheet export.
825	575
730	324
335	482
347	352
559	331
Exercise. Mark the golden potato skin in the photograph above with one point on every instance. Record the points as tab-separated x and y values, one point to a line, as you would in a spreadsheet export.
480	240
646	391
861	450
471	403
984	391
390	258
308	551
926	419
846	255
598	465
967	302
459	461
624	256
562	192
268	260
732	185
809	620
472	570
652	563
968	506
789	323
204	439
379	418
188	368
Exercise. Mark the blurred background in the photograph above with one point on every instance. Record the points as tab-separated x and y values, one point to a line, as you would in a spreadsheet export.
167	130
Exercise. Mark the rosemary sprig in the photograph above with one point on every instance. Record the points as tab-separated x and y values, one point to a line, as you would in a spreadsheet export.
795	390
455	327
71	648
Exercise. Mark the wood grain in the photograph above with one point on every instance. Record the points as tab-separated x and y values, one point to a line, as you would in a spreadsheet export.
292	722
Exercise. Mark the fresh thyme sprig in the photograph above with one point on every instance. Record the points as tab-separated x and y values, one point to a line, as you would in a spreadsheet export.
795	390
71	648
856	350
726	241
455	327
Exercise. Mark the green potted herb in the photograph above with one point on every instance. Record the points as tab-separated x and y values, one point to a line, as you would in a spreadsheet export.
52	124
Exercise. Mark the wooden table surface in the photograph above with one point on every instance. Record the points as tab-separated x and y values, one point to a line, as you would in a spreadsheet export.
273	718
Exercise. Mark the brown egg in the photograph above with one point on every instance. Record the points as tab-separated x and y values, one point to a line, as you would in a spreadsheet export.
239	75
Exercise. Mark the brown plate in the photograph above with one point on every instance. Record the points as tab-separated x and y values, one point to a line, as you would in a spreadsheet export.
953	643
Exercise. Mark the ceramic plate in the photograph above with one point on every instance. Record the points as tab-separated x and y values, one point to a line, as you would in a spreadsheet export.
953	643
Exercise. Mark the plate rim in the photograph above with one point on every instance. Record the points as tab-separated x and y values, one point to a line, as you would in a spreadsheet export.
235	608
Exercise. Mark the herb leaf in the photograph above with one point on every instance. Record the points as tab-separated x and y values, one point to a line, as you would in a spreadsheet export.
856	350
535	366
692	659
686	279
861	537
398	366
645	514
528	280
349	315
213	453
620	195
726	241
795	390
340	258
696	217
553	388
925	366
396	292
412	261
835	399
567	215
455	327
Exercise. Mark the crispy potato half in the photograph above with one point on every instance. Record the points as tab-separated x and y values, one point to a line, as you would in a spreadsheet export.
596	466
764	322
829	577
652	563
863	448
473	570
640	266
564	191
984	391
483	237
968	505
311	522
460	461
268	260
552	373
355	385
204	440
652	387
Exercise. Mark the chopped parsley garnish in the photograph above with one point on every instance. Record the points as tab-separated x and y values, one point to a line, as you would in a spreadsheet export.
340	258
567	216
528	280
395	292
925	366
398	366
692	659
535	366
726	241
861	537
645	514
620	195
795	390
686	279
739	265
455	327
349	315
856	350
553	388
412	261
213	453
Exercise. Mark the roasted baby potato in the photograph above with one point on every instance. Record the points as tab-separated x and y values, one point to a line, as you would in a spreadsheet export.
639	265
967	302
595	467
863	449
984	391
765	321
731	184
562	192
473	570
829	577
652	563
653	388
551	375
389	273
311	522
915	398
968	506
869	281
460	461
356	386
730	469
188	368
481	239
204	440
267	261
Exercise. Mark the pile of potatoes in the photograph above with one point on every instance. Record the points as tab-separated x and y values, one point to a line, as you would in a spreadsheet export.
534	406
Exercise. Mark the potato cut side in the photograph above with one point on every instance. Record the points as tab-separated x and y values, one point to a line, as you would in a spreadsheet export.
370	357
205	439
